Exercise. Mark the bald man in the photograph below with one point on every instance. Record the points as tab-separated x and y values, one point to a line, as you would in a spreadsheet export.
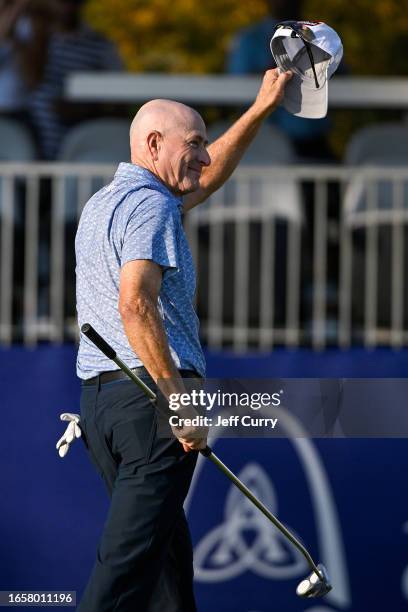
135	285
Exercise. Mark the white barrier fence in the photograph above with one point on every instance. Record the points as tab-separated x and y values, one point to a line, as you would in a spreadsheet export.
285	255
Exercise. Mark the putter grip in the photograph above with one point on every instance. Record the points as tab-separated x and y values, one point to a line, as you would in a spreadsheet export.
98	341
206	451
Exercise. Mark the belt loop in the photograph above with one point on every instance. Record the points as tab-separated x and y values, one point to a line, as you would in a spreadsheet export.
98	383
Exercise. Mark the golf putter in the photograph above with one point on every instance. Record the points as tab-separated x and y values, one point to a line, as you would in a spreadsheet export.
317	583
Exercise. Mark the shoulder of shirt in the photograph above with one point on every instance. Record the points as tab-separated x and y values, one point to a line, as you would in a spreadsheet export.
138	188
148	199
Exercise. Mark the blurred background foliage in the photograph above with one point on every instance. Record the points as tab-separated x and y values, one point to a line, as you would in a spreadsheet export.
188	36
177	36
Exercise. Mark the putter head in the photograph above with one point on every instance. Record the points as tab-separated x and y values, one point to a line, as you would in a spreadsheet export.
315	585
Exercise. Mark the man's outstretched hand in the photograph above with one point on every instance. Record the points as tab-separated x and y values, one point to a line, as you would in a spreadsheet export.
72	432
272	89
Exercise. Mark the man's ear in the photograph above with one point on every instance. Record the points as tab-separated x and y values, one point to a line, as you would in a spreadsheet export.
154	140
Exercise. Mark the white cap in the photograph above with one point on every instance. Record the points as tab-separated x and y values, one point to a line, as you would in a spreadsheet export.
312	51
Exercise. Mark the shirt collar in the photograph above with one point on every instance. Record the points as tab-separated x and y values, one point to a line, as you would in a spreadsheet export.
138	173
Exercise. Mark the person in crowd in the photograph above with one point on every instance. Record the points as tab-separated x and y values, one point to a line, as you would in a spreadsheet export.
41	43
23	45
73	46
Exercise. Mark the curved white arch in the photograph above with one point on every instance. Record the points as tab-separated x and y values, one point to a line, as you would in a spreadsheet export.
328	527
269	555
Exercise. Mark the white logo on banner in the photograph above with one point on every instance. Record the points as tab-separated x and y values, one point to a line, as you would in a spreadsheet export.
246	540
224	552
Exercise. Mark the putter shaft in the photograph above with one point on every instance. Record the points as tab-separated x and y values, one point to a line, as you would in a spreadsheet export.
103	346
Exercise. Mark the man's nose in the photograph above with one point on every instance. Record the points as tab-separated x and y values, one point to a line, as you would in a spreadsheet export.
205	158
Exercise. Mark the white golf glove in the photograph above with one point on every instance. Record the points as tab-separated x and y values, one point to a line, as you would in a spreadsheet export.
72	431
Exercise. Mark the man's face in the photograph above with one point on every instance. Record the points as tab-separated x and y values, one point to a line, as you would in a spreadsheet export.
182	156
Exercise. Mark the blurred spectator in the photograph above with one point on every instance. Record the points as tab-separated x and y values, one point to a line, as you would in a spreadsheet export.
72	46
250	54
23	42
12	89
41	42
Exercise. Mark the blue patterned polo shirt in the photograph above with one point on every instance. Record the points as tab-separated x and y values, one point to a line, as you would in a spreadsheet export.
134	217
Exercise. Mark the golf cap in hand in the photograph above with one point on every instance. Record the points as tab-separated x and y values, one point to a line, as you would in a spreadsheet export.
312	51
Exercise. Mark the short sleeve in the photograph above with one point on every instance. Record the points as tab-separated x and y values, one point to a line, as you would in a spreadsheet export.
152	233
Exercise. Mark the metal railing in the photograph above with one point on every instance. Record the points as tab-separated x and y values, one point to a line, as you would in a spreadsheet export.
39	207
285	255
224	90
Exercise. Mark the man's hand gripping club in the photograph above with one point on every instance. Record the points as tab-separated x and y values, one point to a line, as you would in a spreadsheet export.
190	437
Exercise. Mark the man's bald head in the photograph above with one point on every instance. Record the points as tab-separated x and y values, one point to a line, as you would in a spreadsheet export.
161	116
169	139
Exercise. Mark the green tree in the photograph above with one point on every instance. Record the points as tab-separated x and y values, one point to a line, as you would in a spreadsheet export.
181	36
187	36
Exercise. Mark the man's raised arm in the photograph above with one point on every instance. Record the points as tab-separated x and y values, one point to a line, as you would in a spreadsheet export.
227	151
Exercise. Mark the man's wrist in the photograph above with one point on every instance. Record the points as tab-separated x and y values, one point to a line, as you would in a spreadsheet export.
261	111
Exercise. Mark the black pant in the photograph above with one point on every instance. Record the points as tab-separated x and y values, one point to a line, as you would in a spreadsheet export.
144	558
